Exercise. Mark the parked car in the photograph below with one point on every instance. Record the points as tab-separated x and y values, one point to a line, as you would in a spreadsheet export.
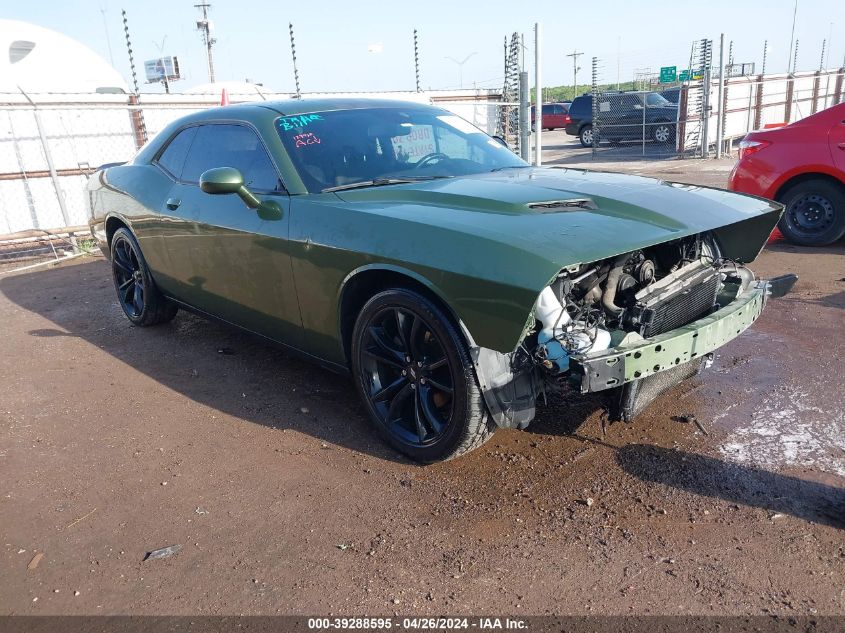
555	115
624	116
801	165
398	243
672	95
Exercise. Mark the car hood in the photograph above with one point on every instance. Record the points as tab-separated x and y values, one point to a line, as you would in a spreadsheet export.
569	216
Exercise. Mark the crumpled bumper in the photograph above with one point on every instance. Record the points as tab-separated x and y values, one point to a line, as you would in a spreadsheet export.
617	366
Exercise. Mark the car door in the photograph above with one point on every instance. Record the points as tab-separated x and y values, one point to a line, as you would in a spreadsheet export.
225	258
631	116
836	138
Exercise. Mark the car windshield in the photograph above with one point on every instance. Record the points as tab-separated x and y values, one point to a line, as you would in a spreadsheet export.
340	148
654	99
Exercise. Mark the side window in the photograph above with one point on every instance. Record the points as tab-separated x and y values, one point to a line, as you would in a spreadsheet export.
548	109
227	145
173	156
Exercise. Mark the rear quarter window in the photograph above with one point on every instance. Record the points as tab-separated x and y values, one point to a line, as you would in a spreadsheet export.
580	107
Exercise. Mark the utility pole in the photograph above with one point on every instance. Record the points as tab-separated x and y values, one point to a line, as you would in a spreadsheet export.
575	68
792	37
108	39
204	27
538	98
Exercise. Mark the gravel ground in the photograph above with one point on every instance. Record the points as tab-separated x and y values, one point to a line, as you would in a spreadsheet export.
116	441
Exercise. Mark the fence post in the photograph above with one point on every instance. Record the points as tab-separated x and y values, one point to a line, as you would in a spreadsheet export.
838	89
720	130
787	110
758	105
705	114
524	116
595	91
538	98
136	117
816	81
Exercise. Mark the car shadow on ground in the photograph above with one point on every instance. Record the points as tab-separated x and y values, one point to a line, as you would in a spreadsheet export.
735	483
243	376
216	365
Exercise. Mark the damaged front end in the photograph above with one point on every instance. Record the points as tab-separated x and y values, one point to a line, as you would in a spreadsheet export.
631	326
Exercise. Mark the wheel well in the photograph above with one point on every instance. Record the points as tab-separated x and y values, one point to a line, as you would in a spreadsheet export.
797	180
112	224
368	283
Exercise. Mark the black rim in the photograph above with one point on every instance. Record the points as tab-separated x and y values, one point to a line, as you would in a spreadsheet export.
407	376
128	277
811	214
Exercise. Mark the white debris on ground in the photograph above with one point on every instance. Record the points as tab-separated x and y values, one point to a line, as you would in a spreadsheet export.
788	431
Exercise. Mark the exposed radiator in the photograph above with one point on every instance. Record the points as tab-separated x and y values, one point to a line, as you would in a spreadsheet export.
688	297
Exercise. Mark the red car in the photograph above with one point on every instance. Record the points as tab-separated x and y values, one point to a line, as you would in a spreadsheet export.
802	166
555	115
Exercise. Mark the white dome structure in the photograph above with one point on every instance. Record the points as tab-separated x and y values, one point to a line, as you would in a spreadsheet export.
40	60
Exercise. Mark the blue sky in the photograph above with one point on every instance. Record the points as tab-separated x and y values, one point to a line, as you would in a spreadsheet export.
333	37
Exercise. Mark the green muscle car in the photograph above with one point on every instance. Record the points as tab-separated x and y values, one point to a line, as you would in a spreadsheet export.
456	283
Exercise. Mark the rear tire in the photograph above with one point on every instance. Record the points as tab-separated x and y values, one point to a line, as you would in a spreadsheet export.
141	301
814	213
415	378
586	136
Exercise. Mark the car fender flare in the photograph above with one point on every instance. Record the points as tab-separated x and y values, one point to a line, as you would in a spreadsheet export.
401	270
805	171
510	396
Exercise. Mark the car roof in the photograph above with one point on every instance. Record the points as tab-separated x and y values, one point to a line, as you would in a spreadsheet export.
293	107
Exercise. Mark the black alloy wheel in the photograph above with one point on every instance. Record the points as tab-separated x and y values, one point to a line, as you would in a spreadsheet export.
141	301
415	377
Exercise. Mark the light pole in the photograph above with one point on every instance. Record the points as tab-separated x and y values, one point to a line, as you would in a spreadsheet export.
461	65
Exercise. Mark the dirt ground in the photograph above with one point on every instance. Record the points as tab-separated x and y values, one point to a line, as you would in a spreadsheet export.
116	441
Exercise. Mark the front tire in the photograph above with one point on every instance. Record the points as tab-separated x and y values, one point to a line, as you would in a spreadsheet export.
663	134
141	301
415	378
814	213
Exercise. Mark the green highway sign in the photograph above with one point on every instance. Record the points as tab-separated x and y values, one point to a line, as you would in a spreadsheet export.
686	75
668	74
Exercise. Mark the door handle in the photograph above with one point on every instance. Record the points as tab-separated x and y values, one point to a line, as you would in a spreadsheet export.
173	203
841	146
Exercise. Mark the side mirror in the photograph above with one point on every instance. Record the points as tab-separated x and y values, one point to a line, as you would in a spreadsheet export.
221	180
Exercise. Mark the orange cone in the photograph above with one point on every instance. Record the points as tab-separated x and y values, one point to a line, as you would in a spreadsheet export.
224	98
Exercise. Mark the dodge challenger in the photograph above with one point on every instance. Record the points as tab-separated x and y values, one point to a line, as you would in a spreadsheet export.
456	284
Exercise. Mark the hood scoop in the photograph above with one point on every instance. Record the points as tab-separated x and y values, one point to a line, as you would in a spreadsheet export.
559	206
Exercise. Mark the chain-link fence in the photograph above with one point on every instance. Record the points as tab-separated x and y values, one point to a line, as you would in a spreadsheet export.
635	123
50	144
690	119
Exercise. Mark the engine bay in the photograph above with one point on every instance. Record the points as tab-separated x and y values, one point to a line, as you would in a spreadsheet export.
625	299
